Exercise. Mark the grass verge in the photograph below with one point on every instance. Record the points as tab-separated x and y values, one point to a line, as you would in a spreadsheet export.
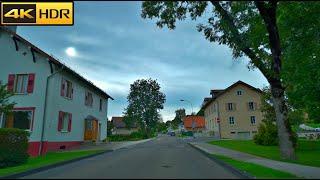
258	171
49	159
307	152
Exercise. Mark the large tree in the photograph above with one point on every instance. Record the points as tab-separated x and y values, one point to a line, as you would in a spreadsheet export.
178	119
301	54
250	29
145	100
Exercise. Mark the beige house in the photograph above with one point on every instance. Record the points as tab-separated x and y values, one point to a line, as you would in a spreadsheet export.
233	112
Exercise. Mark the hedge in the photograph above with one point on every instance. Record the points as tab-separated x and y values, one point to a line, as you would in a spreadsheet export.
14	147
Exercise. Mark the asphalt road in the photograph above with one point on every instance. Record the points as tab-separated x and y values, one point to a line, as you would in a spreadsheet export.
164	157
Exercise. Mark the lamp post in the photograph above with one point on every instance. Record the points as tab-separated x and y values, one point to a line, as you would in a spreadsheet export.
188	102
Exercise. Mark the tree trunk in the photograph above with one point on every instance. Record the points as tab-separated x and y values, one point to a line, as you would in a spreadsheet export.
283	125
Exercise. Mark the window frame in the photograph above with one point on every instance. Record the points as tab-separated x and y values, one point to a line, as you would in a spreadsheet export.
16	78
240	92
100	104
253	118
230	109
253	108
86	99
32	109
233	120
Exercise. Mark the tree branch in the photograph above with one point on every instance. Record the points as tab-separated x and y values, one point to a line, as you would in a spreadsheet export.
240	40
268	15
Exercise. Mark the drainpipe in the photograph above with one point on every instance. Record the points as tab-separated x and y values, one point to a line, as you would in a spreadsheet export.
45	110
219	120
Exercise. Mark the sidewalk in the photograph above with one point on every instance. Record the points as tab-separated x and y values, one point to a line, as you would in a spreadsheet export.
108	145
296	169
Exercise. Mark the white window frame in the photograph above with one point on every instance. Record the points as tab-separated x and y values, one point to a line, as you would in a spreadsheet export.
233	120
16	81
253	118
65	129
253	108
87	101
230	109
239	92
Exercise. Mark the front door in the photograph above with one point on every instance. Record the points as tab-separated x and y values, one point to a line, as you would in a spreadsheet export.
91	130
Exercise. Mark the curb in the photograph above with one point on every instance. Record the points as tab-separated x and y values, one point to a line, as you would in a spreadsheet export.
43	168
234	170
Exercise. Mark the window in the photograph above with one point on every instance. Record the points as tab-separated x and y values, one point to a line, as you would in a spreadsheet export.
253	119
89	125
231	120
230	106
239	93
21	83
100	105
64	124
251	106
88	99
232	132
21	119
66	88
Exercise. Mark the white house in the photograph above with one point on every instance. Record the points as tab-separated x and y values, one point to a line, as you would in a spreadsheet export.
59	107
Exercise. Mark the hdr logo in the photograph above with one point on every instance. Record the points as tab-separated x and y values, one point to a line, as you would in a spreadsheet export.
37	13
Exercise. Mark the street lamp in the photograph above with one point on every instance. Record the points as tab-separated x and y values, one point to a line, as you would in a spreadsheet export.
188	102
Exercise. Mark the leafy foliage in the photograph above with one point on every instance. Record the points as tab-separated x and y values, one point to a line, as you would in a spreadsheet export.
178	119
5	105
299	25
110	126
14	147
145	99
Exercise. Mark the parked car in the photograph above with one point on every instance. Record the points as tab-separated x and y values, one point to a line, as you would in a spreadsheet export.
171	133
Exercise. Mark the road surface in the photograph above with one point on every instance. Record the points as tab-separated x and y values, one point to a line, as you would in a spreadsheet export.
164	157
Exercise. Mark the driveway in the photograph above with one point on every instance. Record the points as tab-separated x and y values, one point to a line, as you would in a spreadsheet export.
163	157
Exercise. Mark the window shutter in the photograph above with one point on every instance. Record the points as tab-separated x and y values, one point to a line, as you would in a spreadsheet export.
255	106
70	122
62	87
234	107
227	107
30	83
248	106
60	120
11	79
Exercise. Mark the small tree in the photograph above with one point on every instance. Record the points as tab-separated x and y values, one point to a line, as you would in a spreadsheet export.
5	105
145	100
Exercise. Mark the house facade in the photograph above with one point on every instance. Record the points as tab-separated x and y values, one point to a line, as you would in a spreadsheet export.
120	126
59	107
233	112
194	123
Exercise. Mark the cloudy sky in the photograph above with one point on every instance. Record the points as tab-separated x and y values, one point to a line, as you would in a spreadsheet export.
112	46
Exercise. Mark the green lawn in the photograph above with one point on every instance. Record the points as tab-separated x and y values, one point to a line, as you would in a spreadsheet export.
50	158
307	151
260	172
314	125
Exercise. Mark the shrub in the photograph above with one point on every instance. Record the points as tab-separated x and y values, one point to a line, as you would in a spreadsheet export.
14	147
268	135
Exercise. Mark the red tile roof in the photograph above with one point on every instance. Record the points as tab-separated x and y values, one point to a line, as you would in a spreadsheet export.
199	121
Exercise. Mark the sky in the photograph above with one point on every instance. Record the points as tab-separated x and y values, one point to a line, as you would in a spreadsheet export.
112	46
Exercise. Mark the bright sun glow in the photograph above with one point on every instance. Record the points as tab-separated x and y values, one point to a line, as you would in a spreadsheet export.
71	51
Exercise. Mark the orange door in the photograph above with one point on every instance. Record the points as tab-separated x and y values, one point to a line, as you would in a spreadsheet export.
91	130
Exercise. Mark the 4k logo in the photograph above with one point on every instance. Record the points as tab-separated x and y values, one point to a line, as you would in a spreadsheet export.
18	13
37	13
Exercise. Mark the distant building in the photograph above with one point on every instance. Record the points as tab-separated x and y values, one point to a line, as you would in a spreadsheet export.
233	112
120	126
194	123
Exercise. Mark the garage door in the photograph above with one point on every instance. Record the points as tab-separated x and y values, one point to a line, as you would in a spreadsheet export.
243	135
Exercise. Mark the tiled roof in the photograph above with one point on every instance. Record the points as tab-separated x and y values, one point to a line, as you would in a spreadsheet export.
198	120
119	123
55	61
219	92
